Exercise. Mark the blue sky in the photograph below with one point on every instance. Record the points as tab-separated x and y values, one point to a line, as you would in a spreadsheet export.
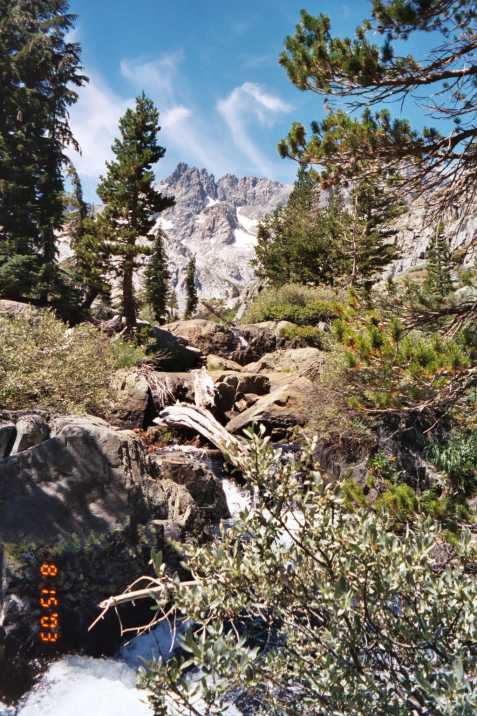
210	66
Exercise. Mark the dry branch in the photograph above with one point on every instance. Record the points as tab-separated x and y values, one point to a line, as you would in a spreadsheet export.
200	421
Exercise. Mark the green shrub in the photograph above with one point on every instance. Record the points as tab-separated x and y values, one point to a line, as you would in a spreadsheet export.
45	365
302	305
127	354
303	335
306	607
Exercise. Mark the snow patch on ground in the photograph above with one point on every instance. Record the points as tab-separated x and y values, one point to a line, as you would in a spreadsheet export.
164	224
211	202
243	239
250	225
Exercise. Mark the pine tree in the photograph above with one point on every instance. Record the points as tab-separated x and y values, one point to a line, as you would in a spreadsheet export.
439	264
130	198
157	280
38	72
374	67
367	233
91	263
296	243
348	239
191	290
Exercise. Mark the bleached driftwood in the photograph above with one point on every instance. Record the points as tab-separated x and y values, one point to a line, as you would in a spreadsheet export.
204	389
200	420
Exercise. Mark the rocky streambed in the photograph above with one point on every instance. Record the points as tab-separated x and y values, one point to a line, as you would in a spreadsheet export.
95	496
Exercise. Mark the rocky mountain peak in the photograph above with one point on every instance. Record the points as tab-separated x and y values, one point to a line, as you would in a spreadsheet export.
215	221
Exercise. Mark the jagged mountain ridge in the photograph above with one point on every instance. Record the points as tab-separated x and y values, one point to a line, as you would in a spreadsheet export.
216	221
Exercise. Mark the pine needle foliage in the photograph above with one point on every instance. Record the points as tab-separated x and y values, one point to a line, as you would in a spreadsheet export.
329	239
374	67
39	71
394	370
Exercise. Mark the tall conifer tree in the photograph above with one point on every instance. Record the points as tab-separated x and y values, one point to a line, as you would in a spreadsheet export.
38	72
157	280
130	198
439	264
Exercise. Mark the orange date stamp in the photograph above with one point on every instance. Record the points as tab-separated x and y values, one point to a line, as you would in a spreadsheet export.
50	627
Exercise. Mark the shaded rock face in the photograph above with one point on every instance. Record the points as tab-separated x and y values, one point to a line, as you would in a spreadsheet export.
194	495
85	477
216	221
131	396
31	430
8	434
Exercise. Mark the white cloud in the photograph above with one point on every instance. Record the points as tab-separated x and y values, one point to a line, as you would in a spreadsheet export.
156	76
94	121
250	101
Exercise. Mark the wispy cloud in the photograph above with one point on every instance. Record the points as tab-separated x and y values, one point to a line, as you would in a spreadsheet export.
186	131
250	101
252	62
158	76
94	121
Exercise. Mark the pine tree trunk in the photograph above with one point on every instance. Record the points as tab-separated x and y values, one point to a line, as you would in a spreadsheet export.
129	304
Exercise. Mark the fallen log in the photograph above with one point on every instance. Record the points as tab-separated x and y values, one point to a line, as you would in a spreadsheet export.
200	420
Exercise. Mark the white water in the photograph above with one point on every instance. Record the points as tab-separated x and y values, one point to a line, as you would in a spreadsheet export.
237	500
80	685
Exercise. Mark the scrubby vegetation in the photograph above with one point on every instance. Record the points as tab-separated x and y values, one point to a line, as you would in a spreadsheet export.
302	305
306	606
348	588
45	365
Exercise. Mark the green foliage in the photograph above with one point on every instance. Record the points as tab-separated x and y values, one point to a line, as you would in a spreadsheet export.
303	335
91	262
304	606
394	371
39	71
297	243
45	365
344	241
372	68
458	459
127	354
131	200
157	279
191	290
439	265
302	305
216	309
